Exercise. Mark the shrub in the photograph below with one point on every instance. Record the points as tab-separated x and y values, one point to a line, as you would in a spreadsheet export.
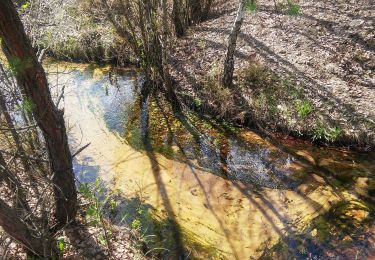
217	95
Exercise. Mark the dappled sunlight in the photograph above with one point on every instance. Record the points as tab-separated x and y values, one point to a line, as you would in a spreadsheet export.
232	190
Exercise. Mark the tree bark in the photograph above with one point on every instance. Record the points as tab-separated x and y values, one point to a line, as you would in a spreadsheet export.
206	9
195	10
32	80
16	228
165	49
178	19
232	42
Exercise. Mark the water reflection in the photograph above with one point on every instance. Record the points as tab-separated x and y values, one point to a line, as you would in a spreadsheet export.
255	165
220	191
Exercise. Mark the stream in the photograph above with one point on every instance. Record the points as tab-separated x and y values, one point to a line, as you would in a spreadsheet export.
202	189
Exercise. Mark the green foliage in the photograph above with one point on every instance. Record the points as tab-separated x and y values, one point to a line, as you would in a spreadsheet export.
18	66
103	239
304	108
323	133
27	106
251	6
293	8
197	102
136	224
95	194
25	6
61	244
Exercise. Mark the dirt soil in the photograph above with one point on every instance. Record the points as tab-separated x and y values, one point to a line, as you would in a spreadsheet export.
82	242
327	48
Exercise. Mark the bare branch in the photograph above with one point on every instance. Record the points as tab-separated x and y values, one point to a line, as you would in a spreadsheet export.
80	150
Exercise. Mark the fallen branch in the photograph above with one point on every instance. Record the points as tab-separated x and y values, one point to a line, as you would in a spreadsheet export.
18	129
25	156
80	150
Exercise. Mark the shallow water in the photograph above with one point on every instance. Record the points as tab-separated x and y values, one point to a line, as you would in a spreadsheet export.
200	188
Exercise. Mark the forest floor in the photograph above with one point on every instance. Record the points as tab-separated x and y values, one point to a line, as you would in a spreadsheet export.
307	69
82	240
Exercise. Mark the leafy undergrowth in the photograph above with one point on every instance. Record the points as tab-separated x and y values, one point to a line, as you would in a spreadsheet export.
92	235
267	101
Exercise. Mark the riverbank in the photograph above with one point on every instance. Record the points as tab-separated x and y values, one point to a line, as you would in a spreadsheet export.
310	74
86	239
304	70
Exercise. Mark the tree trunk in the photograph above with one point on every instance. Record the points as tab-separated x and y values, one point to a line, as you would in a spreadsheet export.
17	229
165	48
206	9
232	42
32	80
178	19
195	10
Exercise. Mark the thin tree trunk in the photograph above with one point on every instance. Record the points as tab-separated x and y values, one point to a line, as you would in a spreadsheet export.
17	141
165	49
12	129
195	10
232	42
206	9
32	80
178	20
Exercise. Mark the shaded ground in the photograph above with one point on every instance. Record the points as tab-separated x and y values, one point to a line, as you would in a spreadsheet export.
325	54
83	240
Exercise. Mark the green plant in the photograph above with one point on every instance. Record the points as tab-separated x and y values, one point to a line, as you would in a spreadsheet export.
61	245
24	6
17	65
326	133
136	224
304	108
251	5
197	102
293	8
334	133
27	106
98	200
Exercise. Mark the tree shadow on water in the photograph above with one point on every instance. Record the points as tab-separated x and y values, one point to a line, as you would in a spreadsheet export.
156	170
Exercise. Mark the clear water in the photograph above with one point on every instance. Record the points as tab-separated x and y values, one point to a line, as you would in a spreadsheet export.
205	190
